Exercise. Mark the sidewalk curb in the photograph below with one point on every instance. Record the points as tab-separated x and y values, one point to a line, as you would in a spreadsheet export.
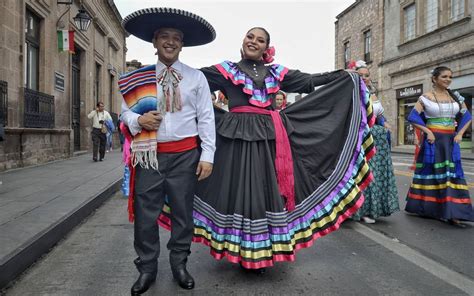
17	262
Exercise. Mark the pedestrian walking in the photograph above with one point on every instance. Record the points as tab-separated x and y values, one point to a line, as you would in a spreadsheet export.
439	189
99	131
381	196
169	113
281	179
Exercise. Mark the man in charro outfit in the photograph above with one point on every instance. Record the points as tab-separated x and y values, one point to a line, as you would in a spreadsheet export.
170	120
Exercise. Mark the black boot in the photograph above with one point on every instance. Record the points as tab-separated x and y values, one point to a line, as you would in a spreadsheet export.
182	276
143	283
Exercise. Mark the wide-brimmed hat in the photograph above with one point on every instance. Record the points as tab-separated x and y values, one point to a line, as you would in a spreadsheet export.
144	22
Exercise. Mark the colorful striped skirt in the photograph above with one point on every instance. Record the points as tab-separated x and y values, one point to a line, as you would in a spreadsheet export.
239	212
439	189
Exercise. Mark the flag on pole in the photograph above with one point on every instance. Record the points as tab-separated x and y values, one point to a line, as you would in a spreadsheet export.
66	40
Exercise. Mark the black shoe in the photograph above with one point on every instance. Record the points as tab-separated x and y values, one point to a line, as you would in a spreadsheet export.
101	159
94	159
182	276
255	271
143	283
457	223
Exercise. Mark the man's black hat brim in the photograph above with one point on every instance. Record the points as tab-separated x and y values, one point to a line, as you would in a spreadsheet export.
143	24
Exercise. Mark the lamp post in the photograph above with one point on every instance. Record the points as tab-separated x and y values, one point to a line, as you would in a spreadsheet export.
82	20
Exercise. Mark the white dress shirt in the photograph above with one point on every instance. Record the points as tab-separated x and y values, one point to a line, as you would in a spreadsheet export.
195	118
97	116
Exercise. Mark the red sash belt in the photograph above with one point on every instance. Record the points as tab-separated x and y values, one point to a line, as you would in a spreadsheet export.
283	157
178	146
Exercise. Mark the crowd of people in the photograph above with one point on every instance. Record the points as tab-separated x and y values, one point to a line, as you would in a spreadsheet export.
254	178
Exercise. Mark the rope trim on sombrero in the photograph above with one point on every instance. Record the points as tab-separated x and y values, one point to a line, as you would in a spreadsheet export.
154	10
259	97
260	243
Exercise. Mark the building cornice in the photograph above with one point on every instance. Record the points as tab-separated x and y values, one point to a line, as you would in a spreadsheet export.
81	39
114	43
345	11
392	60
41	7
117	15
100	25
99	58
431	64
115	10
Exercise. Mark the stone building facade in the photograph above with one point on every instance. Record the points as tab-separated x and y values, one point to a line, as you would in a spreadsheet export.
133	65
417	35
359	35
425	34
45	94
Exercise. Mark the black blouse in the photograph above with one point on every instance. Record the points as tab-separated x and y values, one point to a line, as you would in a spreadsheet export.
294	81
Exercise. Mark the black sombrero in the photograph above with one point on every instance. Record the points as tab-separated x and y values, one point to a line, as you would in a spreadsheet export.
143	24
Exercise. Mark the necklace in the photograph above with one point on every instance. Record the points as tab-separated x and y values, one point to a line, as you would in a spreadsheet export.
444	112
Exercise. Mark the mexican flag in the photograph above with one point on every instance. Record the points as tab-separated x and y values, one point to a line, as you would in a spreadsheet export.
66	40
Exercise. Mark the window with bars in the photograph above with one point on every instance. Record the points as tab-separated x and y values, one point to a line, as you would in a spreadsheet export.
367	45
409	17
347	54
457	10
32	48
431	15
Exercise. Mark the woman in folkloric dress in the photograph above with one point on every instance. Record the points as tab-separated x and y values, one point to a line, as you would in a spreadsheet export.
439	189
281	179
381	196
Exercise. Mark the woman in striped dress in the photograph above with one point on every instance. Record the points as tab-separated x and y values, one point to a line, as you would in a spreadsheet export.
439	189
381	196
281	179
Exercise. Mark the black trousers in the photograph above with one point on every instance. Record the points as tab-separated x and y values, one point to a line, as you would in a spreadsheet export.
176	180
98	143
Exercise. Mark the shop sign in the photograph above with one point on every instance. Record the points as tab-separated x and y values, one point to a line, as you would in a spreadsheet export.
409	91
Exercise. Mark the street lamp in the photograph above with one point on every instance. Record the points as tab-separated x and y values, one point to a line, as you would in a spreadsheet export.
82	19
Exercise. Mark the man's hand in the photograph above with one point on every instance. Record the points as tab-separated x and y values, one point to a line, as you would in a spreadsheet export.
150	120
204	170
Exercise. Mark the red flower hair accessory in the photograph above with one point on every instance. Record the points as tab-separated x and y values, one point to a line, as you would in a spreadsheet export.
351	65
268	55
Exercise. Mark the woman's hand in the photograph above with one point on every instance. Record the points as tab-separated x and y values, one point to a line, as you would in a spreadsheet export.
458	138
387	126
203	170
430	137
